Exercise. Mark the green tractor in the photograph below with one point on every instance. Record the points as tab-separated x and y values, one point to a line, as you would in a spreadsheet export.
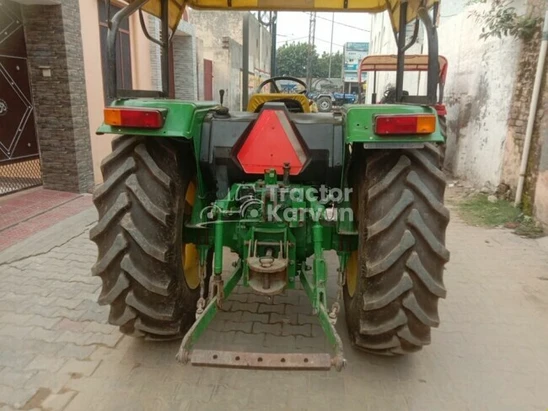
278	185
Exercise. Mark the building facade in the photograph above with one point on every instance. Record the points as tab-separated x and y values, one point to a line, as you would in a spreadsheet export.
53	72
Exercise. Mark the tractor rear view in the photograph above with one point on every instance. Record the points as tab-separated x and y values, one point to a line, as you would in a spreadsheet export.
279	185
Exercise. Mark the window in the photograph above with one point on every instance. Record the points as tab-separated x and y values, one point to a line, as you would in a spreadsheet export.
123	50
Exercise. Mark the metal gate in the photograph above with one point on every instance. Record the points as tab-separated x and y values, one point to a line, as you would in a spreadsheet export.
19	158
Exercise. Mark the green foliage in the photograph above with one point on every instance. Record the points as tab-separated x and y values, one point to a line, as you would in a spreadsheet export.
291	60
501	19
479	211
322	70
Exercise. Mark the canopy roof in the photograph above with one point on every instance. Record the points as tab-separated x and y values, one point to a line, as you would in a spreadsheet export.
417	62
176	7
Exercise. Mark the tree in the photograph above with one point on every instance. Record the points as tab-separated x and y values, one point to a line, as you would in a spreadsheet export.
322	70
291	60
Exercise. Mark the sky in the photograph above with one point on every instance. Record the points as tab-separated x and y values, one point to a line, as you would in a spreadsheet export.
349	27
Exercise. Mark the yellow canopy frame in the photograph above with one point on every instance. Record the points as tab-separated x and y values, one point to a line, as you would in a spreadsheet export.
176	7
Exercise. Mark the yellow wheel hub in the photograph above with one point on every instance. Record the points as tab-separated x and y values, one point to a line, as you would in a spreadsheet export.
189	254
352	273
191	265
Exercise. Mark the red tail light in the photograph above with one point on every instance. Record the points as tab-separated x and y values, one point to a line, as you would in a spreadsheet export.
271	143
134	117
405	124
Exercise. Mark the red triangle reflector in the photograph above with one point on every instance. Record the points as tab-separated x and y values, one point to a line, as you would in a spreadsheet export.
271	143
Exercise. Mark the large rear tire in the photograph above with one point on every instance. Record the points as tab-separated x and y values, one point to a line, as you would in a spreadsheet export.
141	261
394	280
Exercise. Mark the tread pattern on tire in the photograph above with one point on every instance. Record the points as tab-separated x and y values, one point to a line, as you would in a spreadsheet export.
402	223
140	210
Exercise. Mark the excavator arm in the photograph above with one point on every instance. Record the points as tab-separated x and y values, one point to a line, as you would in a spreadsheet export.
176	7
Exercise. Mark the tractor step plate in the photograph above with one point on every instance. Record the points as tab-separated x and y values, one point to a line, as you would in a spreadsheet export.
234	359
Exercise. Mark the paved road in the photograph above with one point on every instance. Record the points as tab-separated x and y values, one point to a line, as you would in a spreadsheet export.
57	352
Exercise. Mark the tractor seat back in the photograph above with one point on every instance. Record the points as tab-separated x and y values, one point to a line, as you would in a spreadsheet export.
295	103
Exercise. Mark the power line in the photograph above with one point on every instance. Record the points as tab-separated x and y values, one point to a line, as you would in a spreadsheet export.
341	24
293	39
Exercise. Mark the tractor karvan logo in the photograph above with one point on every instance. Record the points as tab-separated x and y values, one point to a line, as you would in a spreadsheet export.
3	107
253	208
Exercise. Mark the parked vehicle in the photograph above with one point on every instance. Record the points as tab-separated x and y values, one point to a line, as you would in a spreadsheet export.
279	186
327	101
413	63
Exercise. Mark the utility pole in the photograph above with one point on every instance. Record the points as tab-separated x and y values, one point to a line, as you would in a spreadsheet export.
311	43
270	21
274	33
331	43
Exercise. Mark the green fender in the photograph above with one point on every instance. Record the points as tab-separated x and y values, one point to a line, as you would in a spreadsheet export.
359	125
184	119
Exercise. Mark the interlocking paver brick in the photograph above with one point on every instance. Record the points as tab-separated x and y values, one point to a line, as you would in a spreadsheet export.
229	315
80	368
308	342
41	321
289	297
237	326
94	316
29	345
76	351
14	378
248	317
42	362
271	308
304	329
278	341
108	340
14	318
94	327
307	319
299	309
317	330
238	306
67	303
256	298
275	329
65	324
253	340
42	334
17	331
283	318
78	338
16	360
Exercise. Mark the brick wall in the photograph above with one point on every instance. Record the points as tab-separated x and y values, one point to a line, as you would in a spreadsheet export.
54	40
517	124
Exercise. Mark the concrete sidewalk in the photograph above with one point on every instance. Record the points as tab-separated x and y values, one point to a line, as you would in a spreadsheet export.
57	352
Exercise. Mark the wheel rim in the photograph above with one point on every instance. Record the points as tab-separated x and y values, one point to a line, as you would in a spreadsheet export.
324	105
190	258
352	273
